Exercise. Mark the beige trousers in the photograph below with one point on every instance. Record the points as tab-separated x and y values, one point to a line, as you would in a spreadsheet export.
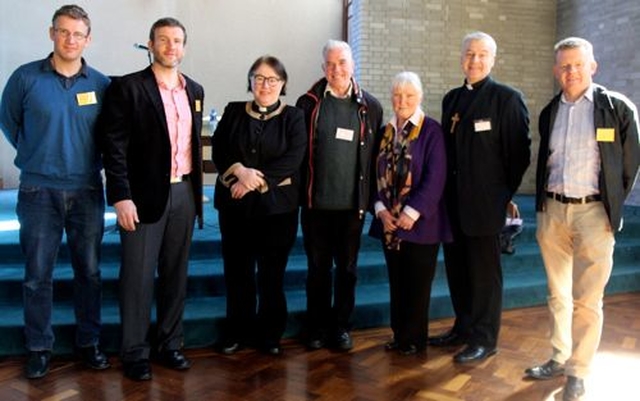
576	242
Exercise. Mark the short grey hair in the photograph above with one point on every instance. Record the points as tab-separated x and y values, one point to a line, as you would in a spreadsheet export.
333	44
407	78
574	42
478	35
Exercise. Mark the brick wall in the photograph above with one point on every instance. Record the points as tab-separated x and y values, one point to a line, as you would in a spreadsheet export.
613	27
424	36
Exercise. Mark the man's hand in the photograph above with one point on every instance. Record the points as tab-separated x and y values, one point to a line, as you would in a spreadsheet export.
127	214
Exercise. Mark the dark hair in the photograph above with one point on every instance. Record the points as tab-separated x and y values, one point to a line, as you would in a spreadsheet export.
74	12
167	21
272	62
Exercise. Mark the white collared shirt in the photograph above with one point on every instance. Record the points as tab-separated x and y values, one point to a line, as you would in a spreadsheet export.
335	94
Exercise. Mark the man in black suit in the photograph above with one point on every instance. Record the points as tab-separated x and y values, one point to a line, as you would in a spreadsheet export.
486	125
150	133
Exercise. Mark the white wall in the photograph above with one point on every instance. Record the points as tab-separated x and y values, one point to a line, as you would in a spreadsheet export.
224	38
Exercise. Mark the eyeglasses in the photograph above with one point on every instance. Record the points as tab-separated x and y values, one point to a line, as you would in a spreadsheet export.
261	79
66	34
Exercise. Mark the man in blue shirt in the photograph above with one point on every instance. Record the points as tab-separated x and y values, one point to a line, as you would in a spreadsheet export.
48	113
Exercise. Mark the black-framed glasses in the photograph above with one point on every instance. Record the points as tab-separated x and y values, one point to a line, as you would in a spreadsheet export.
66	34
261	79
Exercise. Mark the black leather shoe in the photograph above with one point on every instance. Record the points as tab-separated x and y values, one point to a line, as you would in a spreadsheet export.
391	345
316	341
342	341
573	389
546	371
137	370
37	364
94	358
230	348
474	353
273	350
450	338
174	359
409	349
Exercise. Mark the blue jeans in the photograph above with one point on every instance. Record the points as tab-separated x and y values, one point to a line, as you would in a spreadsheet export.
44	215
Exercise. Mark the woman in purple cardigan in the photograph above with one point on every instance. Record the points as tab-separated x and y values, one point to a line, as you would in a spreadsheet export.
411	218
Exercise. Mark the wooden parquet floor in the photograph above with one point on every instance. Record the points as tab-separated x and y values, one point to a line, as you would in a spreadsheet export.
367	373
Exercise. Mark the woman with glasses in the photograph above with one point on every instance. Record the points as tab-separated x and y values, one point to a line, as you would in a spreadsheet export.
257	148
410	213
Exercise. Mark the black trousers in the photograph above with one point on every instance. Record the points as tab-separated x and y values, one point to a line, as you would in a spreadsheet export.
255	252
331	237
474	273
163	245
411	270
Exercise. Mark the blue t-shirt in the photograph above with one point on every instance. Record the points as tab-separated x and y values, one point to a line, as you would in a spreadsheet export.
50	120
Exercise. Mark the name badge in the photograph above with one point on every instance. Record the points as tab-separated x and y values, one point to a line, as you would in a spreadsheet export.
344	134
86	98
605	134
198	106
482	125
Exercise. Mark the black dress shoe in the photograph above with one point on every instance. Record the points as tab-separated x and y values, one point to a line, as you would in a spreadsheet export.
573	389
273	350
316	341
391	345
94	358
137	370
342	341
174	359
230	348
450	338
408	349
37	364
546	371
474	353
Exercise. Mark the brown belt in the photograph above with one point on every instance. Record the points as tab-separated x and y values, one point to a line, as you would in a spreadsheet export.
574	201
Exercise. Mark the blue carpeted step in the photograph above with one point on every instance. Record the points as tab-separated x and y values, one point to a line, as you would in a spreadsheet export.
524	280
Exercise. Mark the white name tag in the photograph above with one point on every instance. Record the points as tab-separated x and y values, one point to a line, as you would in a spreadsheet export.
344	134
482	125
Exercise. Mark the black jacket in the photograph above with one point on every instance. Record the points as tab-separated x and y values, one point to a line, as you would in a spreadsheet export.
619	159
370	116
276	150
487	155
134	139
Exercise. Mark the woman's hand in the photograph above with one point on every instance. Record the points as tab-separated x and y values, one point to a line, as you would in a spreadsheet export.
405	222
388	221
238	190
250	178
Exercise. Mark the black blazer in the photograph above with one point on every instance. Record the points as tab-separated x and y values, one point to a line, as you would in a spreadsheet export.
134	140
619	158
487	155
275	146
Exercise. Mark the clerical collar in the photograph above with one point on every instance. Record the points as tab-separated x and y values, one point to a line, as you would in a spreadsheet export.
264	113
476	85
264	110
